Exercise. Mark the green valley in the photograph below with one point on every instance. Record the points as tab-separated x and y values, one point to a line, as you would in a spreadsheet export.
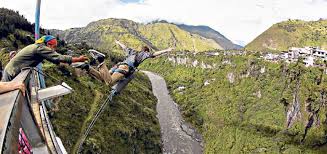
240	105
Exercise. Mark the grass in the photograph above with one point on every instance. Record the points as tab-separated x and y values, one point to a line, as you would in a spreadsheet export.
128	125
233	117
88	119
291	33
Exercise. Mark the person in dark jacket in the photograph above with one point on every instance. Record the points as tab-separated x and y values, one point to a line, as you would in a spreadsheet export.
33	54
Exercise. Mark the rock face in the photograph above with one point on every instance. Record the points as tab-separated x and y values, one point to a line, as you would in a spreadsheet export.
188	62
231	77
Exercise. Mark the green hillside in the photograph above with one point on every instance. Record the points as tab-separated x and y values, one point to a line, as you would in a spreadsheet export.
158	36
164	35
242	110
291	33
127	125
15	31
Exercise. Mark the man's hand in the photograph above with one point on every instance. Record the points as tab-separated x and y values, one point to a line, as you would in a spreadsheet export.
10	86
19	86
82	58
158	53
120	44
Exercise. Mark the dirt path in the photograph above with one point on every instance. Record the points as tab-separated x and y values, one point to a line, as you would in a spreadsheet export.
87	120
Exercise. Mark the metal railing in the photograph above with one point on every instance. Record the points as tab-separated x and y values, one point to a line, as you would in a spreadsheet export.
24	115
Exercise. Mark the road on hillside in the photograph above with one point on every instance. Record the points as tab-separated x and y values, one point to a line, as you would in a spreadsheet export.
177	136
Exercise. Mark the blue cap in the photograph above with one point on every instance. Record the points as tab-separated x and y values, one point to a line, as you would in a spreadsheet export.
45	39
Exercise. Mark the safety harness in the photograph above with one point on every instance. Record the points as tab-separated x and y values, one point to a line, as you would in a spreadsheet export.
130	71
130	62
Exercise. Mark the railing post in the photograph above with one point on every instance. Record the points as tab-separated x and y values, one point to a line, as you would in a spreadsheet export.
37	36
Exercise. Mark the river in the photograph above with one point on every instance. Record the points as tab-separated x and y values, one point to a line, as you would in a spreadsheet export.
178	137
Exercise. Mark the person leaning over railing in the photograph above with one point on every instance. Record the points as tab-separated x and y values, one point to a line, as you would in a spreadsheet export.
10	86
32	55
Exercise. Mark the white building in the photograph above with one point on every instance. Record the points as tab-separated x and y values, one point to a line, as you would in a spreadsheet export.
320	54
310	54
309	61
212	53
302	51
271	57
284	55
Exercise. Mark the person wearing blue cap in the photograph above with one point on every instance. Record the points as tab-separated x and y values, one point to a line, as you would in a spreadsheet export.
32	55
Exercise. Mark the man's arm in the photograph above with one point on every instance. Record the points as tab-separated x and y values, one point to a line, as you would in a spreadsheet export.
10	86
57	58
123	46
158	53
128	51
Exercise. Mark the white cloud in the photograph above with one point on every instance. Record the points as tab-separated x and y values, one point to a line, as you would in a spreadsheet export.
63	14
238	20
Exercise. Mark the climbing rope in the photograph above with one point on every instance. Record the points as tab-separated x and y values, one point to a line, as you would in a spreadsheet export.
101	109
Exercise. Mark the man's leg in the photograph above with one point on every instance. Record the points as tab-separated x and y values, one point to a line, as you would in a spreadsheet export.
105	74
94	73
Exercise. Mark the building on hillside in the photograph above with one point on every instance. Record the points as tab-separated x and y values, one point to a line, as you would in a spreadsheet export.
309	55
320	54
271	57
302	51
309	61
295	53
284	55
212	53
234	53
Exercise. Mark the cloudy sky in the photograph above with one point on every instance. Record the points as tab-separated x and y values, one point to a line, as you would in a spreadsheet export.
239	20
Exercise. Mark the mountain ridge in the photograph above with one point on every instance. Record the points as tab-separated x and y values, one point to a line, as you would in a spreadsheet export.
208	32
155	35
292	33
